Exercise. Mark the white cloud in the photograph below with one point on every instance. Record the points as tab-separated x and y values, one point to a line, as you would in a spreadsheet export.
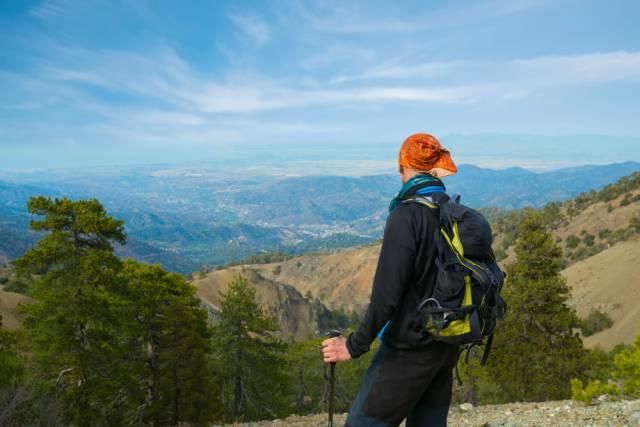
340	54
49	9
356	18
598	67
518	77
161	76
396	71
253	26
171	100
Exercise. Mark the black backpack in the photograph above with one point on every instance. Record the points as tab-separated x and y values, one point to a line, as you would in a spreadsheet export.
465	304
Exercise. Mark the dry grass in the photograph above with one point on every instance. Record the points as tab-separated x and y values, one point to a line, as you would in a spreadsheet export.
8	308
341	280
608	282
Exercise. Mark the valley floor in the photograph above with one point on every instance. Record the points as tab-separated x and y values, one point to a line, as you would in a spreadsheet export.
561	413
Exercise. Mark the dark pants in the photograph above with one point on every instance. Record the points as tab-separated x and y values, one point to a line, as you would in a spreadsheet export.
400	384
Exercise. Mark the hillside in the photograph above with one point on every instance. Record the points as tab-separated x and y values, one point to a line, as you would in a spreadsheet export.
607	282
582	226
604	281
342	280
600	269
298	317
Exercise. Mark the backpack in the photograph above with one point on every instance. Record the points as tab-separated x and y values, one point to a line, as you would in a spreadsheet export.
465	304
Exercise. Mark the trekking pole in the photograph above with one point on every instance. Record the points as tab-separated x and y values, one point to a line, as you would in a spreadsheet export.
332	380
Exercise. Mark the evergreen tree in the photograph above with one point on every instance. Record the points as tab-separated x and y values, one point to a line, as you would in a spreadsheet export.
537	348
117	342
71	326
169	342
249	358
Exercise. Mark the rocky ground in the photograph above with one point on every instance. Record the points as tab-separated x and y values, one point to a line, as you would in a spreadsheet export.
563	413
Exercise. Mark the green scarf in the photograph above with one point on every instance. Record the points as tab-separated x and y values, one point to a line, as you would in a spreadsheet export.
407	186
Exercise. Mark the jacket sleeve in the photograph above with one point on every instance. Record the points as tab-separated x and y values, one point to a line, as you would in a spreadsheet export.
393	273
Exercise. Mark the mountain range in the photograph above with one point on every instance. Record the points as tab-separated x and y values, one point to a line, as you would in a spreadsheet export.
184	218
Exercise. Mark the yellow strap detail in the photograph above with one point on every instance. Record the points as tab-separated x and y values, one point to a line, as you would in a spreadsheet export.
456	240
458	327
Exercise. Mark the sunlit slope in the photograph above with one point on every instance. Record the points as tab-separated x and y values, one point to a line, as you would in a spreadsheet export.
341	280
298	317
8	308
609	282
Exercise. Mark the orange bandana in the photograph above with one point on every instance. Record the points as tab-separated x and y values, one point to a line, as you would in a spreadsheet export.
424	153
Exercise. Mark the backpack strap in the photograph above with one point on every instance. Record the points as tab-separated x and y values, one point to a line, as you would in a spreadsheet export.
487	350
425	201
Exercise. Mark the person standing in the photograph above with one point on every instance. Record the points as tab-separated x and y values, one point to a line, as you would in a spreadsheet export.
411	375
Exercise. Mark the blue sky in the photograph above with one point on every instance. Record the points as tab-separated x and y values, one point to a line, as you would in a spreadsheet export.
98	82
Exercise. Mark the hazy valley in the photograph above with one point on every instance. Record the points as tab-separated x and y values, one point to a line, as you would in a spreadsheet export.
186	218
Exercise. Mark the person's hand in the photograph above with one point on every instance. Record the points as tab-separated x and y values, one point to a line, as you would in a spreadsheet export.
335	350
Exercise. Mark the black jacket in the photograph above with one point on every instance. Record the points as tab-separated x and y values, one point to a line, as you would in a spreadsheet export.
405	275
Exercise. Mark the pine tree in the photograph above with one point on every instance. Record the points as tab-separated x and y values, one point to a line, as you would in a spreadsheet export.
71	327
249	358
119	342
537	348
169	342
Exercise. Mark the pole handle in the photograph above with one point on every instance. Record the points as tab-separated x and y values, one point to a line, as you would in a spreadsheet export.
332	378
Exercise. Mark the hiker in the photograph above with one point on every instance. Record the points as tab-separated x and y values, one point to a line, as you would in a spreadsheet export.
411	375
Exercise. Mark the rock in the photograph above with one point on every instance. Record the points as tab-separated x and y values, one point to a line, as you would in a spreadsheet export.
603	398
634	420
465	407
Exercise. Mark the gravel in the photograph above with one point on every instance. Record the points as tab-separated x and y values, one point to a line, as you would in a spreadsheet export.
560	413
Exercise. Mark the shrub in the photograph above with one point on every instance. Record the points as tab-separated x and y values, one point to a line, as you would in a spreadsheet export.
626	200
625	376
572	242
595	322
589	239
603	234
585	393
17	284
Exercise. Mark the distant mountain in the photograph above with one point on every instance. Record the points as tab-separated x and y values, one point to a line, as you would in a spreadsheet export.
516	187
186	218
600	235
